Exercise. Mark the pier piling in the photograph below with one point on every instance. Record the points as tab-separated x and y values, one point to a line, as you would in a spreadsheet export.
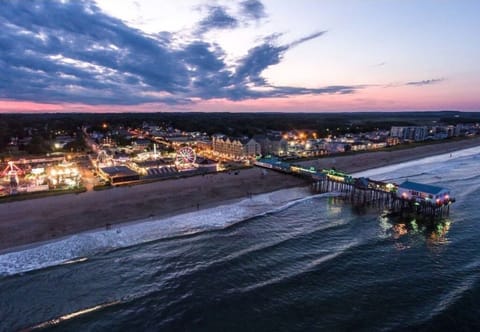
407	198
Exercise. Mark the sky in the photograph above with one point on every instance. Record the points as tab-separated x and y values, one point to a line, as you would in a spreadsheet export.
239	56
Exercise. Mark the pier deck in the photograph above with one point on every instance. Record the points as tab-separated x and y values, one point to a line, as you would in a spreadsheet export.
405	199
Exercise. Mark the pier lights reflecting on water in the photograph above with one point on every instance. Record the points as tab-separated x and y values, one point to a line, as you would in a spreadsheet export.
435	232
395	226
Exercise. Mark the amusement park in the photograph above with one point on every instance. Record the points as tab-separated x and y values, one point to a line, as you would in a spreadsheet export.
106	162
35	175
103	168
116	169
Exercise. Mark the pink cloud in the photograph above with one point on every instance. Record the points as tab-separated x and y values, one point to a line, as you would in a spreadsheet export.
375	98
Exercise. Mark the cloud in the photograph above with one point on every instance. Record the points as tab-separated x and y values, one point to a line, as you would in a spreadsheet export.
72	52
307	38
256	61
53	51
282	91
246	82
425	82
217	18
252	9
265	55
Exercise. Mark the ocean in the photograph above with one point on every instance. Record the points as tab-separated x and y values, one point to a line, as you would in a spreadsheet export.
284	261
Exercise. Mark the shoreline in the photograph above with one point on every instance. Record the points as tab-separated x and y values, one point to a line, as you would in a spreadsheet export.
364	161
24	224
79	246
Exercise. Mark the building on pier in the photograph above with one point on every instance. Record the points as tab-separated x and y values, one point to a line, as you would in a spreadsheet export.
338	176
274	163
419	192
408	198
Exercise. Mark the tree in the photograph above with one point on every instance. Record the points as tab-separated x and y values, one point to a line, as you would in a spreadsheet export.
77	145
38	145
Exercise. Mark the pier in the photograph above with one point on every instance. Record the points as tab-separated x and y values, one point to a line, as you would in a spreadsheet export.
407	198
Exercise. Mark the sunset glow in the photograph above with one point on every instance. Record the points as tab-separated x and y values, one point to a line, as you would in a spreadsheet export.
243	56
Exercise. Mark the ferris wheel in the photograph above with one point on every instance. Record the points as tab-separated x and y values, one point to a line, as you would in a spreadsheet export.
103	158
186	157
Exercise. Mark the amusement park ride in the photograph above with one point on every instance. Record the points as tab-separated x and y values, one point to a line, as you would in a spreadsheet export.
185	159
63	175
104	159
11	172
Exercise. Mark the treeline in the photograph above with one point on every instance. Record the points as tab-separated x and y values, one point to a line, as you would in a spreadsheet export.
43	127
40	129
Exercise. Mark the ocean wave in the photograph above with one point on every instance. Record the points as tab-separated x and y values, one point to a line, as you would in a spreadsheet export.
64	318
77	248
300	270
388	170
449	299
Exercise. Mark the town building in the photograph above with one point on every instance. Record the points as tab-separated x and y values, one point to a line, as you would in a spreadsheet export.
358	146
119	174
334	147
272	144
409	133
236	148
391	141
141	144
203	145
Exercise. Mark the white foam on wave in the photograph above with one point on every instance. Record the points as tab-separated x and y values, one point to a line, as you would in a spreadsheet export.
388	170
76	248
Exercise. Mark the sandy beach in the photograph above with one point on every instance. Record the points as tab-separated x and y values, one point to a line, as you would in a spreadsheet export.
368	160
29	221
43	219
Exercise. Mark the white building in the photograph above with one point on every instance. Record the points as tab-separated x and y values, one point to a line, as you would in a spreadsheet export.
409	133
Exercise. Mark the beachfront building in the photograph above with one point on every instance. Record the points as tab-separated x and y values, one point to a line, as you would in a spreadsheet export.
409	133
334	147
423	193
391	141
203	145
375	145
119	174
235	148
272	145
358	146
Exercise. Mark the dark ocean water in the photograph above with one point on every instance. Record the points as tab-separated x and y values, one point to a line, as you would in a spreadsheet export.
313	265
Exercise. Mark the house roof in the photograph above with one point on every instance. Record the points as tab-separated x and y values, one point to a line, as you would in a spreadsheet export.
426	188
114	171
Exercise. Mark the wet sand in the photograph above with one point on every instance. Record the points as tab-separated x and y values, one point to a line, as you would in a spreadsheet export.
43	219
